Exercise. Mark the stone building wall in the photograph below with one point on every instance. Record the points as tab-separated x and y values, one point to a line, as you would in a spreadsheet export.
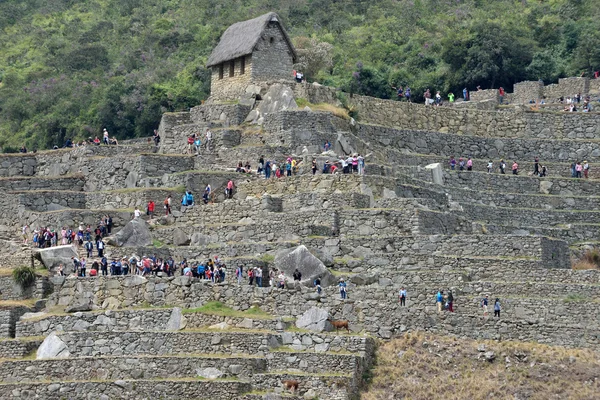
567	87
223	86
73	182
525	91
228	114
272	58
9	290
487	94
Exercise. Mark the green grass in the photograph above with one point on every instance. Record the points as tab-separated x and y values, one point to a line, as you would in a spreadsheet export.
218	308
157	243
267	258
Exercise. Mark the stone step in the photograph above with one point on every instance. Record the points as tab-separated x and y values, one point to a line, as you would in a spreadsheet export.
170	367
128	389
229	342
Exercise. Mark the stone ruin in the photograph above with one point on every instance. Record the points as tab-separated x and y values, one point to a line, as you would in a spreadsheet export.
409	221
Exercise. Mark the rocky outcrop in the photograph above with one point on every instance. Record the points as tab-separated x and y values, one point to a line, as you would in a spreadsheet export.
54	256
135	234
288	260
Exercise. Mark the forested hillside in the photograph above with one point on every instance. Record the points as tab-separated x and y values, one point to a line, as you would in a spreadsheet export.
69	68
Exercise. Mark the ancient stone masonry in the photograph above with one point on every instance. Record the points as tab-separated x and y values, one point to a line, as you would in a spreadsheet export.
407	221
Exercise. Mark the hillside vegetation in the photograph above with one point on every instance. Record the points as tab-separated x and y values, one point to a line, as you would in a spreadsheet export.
69	68
423	366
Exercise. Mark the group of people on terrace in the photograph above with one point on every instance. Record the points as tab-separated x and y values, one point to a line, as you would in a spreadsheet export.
45	237
579	169
194	142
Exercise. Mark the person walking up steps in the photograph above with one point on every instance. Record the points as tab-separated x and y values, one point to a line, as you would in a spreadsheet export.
439	297
208	139
450	300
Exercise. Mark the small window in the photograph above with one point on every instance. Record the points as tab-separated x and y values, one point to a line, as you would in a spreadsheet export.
271	40
242	65
220	71
231	68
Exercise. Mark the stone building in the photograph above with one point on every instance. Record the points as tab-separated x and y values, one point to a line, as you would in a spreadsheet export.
250	53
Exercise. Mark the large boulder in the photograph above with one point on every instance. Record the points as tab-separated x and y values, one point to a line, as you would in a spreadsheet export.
135	234
314	319
53	256
52	347
287	260
279	97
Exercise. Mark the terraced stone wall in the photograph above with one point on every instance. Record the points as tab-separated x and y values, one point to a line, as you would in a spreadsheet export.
9	290
230	114
374	309
18	165
17	349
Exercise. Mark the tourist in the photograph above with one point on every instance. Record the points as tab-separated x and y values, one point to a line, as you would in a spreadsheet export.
586	169
451	97
104	266
427	96
190	143
297	275
578	169
208	136
156	138
450	300
281	280
150	209
469	164
258	276
343	289
229	190
573	169
60	271
250	276
536	166
76	264
197	144
137	213
465	94
100	248
452	163
239	273
24	233
502	167
82	266
261	165
439	297
543	171
167	204
407	94
438	99
108	222
501	94
515	168
484	305
461	164
314	166
490	166
327	146
402	297
497	308
361	164
89	247
105	137
326	167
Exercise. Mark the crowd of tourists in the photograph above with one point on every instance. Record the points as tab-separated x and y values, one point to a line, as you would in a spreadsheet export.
445	302
578	168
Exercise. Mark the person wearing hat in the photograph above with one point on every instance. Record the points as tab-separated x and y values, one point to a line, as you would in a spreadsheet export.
105	137
326	167
343	289
586	169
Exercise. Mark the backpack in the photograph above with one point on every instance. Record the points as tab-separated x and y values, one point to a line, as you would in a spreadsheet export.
189	199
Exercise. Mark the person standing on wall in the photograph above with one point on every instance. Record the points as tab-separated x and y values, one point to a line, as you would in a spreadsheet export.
497	308
501	94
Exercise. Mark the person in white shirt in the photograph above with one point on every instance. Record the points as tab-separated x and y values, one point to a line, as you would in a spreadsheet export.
208	138
137	213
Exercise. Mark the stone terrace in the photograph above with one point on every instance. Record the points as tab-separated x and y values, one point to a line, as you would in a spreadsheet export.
399	225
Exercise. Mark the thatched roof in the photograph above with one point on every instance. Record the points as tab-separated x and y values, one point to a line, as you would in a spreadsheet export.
241	38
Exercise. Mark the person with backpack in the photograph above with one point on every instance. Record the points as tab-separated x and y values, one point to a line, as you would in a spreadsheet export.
76	264
402	297
189	198
502	167
197	144
439	298
104	266
450	301
317	284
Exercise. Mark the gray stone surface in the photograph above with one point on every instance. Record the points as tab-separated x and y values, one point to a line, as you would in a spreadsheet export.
278	98
288	260
54	256
314	319
176	321
52	347
135	234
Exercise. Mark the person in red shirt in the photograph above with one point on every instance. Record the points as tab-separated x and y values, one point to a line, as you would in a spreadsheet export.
190	142
501	94
93	272
151	206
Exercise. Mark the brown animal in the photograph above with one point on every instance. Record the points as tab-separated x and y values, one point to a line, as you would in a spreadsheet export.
291	385
340	324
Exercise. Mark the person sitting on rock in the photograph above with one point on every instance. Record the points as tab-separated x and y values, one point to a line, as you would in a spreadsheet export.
297	275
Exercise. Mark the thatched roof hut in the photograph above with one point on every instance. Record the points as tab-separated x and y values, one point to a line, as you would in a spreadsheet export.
241	38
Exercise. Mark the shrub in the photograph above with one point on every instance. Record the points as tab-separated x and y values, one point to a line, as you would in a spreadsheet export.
24	276
589	260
